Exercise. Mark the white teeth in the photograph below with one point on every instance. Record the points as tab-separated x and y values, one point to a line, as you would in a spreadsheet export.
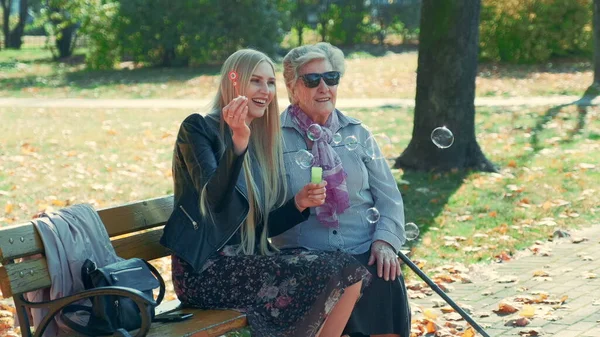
260	101
323	100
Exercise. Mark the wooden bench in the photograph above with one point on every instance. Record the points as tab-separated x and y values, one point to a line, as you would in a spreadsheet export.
135	230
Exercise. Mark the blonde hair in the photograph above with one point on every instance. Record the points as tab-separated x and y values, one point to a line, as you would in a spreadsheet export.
265	148
299	56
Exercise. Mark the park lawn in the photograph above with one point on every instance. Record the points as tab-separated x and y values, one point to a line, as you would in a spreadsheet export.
548	179
31	73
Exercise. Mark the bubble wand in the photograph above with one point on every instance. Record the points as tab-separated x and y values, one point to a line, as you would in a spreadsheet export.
233	76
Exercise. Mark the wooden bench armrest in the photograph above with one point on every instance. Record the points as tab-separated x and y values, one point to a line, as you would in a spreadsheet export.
55	306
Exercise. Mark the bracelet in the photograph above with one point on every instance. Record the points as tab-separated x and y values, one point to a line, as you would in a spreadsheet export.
298	206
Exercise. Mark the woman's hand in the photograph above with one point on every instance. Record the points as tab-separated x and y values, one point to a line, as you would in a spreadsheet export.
311	195
234	114
388	265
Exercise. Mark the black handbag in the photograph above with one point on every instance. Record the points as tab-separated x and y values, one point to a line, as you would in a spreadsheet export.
109	314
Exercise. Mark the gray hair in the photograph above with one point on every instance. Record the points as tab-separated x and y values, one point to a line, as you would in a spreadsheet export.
299	56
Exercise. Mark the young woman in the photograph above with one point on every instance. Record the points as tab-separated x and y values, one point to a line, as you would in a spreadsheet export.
230	193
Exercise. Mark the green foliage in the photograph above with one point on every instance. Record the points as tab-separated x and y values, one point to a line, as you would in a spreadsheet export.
344	23
99	19
163	32
527	31
59	18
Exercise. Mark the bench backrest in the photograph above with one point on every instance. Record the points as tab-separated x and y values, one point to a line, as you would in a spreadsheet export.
134	230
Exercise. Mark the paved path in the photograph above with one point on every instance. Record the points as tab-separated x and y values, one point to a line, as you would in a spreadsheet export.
571	268
200	103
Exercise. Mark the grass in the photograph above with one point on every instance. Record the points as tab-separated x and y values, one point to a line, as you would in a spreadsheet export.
51	158
550	176
378	73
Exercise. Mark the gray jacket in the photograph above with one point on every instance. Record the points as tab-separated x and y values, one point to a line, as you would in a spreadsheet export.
70	236
370	184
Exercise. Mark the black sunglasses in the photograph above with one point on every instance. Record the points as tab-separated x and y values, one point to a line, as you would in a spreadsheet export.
312	80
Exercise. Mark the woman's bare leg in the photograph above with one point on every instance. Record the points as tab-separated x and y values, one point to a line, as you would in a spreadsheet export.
336	321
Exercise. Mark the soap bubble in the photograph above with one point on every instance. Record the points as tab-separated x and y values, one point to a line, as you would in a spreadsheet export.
411	231
351	143
442	137
379	146
304	159
372	215
337	138
314	132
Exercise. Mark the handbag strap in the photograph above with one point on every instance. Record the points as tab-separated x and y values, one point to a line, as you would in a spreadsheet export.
89	329
89	266
161	292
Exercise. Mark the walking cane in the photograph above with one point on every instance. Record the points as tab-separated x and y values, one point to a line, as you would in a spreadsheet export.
440	292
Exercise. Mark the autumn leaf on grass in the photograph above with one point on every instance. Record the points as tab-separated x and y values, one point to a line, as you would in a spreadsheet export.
505	308
6	323
503	257
8	208
462	218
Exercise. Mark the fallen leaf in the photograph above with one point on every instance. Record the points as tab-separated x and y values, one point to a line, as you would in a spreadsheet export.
8	208
505	308
520	322
507	279
470	332
430	314
540	273
531	332
527	311
430	328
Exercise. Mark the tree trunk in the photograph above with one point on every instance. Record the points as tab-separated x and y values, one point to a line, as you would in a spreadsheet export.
596	24
15	37
6	4
447	67
300	29
65	43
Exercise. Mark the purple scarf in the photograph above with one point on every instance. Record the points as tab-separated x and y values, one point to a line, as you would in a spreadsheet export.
337	199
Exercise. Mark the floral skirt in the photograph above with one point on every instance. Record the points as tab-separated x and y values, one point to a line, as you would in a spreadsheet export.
287	294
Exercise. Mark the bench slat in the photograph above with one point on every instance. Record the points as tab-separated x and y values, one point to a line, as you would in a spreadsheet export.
18	241
137	216
204	323
143	245
22	277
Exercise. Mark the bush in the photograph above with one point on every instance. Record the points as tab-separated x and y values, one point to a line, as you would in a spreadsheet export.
99	25
190	32
527	31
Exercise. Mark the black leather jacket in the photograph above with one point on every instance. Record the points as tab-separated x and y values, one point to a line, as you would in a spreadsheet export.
200	159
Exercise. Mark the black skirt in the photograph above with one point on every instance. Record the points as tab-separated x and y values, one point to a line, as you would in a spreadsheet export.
383	307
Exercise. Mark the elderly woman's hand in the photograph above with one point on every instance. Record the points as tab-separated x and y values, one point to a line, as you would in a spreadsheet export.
311	195
388	265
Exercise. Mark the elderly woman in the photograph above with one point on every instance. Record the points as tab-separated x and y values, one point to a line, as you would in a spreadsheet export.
356	183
